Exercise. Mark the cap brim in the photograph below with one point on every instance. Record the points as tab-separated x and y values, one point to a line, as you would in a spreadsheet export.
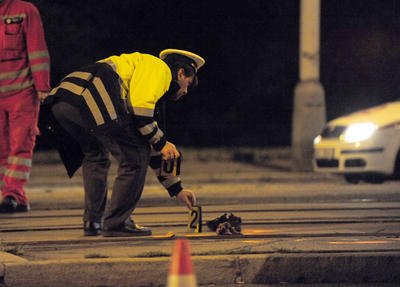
199	61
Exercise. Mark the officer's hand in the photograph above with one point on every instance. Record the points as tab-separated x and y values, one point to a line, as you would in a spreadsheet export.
42	95
187	197
169	151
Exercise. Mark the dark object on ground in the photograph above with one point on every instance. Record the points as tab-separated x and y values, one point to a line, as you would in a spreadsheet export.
227	229
219	225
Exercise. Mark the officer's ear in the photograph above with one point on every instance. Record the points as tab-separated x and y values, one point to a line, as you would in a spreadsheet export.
181	74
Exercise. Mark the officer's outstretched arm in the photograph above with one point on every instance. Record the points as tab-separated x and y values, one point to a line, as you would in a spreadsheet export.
172	183
187	197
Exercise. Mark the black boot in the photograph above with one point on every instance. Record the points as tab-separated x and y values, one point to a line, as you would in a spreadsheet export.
91	228
129	228
10	205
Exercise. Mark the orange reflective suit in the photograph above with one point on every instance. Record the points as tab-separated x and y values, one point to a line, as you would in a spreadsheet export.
24	70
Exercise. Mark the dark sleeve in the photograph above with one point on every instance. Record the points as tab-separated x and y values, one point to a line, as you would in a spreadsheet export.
148	127
171	183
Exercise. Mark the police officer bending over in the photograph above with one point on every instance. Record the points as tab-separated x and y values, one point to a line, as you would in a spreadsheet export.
108	107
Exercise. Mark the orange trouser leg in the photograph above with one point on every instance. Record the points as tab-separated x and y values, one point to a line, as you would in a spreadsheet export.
4	144
18	130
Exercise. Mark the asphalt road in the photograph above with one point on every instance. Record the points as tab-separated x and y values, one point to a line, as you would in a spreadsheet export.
285	214
267	228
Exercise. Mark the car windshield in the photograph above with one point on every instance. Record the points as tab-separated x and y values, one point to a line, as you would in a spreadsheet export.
332	131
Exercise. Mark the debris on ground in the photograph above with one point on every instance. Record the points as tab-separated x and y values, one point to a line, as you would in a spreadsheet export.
226	225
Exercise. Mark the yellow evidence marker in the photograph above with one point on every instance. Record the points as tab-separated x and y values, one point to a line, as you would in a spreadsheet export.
195	219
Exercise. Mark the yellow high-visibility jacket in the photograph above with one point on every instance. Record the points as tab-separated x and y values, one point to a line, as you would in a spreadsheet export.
142	80
145	79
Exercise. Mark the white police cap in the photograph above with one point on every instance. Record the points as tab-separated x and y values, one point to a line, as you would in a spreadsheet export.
198	61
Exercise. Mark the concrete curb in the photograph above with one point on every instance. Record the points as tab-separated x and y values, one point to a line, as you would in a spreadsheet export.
8	258
219	269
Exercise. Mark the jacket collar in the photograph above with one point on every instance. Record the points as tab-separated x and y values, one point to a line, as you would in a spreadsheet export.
4	3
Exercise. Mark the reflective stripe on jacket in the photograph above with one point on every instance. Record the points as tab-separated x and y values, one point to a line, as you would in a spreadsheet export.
145	79
24	57
97	90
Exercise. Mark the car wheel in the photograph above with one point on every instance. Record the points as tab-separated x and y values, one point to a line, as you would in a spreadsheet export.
396	171
374	179
353	179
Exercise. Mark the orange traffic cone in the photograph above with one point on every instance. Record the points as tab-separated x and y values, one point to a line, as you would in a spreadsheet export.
181	270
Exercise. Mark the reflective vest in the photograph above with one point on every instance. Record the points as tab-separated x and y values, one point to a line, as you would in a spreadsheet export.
24	58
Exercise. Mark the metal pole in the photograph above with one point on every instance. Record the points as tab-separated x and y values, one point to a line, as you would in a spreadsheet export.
309	114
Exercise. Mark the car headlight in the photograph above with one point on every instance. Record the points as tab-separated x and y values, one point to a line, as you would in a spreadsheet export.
317	140
359	132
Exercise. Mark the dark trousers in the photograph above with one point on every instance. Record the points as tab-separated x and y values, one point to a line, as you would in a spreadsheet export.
132	154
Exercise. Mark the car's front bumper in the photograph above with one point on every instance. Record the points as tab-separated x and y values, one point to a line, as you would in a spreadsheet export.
376	155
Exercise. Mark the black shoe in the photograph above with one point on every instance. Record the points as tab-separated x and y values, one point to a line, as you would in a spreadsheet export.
128	229
91	228
10	205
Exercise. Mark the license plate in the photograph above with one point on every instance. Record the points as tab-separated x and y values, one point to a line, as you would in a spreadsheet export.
324	153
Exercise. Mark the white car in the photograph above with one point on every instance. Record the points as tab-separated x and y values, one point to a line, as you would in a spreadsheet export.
363	145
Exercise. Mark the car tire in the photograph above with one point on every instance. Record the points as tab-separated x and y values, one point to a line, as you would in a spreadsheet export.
374	179
396	169
352	178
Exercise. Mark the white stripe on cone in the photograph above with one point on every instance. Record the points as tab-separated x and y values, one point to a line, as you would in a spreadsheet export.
181	269
181	281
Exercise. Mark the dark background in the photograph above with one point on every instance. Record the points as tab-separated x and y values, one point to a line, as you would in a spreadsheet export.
245	94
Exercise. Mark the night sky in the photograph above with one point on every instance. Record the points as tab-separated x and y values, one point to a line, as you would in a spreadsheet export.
245	92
